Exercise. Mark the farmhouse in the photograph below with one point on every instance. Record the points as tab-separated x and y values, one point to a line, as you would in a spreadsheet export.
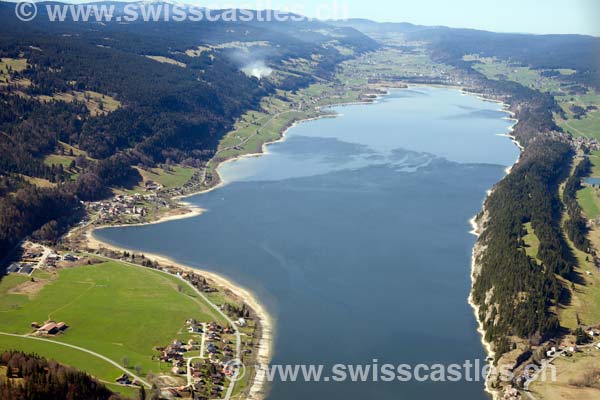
52	328
26	269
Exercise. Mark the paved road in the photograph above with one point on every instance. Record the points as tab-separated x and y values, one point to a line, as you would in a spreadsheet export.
201	356
108	360
238	339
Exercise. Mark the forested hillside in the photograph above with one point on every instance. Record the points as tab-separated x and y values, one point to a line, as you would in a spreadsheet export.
518	294
26	376
115	95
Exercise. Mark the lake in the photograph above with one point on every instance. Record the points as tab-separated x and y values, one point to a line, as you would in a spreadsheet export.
354	234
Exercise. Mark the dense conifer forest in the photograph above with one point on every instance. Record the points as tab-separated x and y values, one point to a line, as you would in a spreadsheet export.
27	376
165	112
517	293
170	112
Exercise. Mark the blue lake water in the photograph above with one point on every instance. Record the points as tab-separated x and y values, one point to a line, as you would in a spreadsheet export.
354	234
592	181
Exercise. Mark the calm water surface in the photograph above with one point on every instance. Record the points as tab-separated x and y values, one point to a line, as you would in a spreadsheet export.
354	233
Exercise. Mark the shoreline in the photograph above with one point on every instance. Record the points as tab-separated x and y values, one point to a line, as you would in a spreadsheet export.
258	389
265	325
478	226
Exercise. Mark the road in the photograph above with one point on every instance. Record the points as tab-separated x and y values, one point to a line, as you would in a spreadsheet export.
238	338
545	364
201	356
108	360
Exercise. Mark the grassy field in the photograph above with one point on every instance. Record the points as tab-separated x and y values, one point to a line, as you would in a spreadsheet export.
532	243
494	68
64	158
258	127
584	302
9	301
8	65
112	308
11	64
96	367
567	370
589	201
586	126
166	60
96	103
58	159
176	176
589	197
595	159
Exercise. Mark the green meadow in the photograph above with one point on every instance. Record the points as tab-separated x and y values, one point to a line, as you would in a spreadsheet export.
531	241
114	309
589	202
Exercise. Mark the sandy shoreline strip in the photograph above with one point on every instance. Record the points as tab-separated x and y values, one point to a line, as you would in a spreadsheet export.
258	389
477	228
265	343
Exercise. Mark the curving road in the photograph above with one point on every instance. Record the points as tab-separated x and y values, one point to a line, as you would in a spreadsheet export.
108	360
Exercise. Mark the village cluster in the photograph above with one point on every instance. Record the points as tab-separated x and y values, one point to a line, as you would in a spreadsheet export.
37	257
135	206
207	369
567	348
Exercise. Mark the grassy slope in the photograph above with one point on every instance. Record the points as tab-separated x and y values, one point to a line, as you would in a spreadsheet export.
67	356
589	201
567	369
176	177
587	126
584	302
114	309
532	243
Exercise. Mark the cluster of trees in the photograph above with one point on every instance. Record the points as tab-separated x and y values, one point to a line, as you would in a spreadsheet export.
30	209
575	225
32	377
31	130
167	112
237	312
515	292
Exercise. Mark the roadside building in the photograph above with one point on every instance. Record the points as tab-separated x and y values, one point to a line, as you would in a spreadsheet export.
26	269
13	268
49	328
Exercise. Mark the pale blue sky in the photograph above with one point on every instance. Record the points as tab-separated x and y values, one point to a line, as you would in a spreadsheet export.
532	16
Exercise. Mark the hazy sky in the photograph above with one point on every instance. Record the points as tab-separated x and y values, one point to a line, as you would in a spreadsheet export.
534	16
